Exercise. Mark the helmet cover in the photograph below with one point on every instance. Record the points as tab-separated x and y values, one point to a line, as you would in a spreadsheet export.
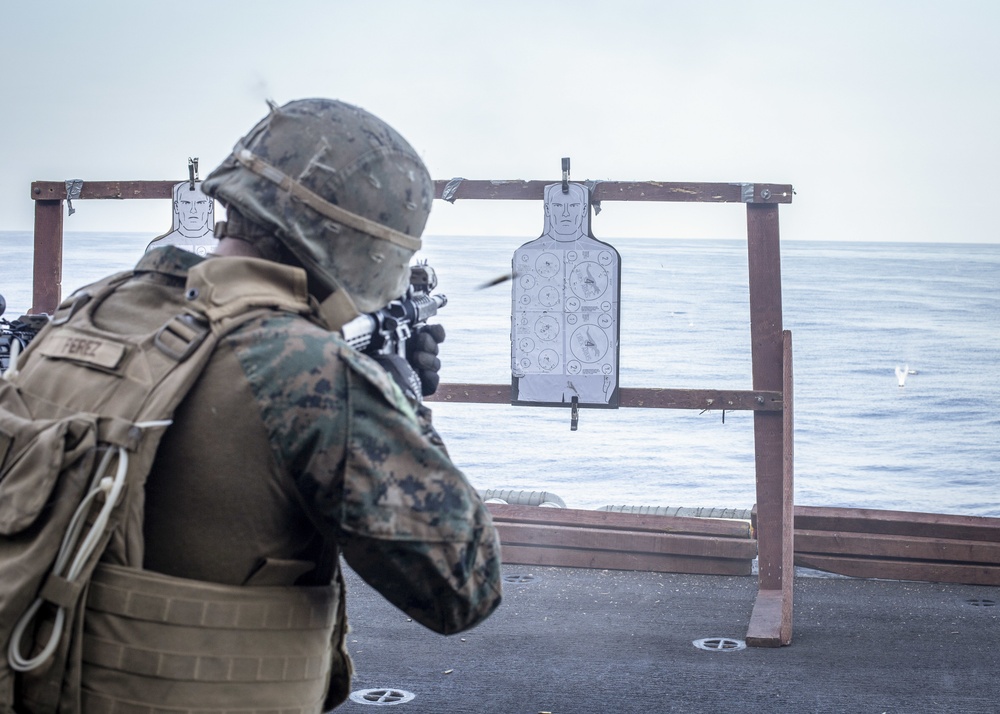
342	190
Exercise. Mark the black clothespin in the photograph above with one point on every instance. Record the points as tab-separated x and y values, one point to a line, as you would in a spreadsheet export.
565	178
574	412
192	170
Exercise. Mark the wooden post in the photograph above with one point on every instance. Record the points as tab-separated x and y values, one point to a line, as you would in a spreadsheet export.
48	257
770	623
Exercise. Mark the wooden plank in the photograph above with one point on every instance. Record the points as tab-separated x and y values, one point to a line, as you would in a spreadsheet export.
623	521
905	523
471	393
873	545
531	534
701	399
691	192
963	573
477	189
48	256
766	621
51	190
608	560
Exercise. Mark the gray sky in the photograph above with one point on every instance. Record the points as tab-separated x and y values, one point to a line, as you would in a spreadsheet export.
883	114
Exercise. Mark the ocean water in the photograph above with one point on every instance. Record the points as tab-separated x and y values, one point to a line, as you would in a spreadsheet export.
856	311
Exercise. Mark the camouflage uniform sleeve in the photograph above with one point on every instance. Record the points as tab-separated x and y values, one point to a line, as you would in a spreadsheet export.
412	525
374	474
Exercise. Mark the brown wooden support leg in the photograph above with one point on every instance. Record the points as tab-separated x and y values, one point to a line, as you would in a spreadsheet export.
771	620
787	492
47	287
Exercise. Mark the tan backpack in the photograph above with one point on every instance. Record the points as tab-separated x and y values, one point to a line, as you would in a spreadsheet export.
81	417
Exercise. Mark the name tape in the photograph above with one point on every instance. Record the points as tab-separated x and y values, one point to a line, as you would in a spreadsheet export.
84	348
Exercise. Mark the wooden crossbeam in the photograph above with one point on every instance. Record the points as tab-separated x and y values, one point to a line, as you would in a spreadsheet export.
644	398
661	191
516	189
115	190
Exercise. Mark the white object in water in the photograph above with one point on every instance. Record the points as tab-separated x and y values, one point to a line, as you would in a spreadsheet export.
901	374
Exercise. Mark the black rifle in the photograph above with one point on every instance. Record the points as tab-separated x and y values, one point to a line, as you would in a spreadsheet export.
383	332
386	331
16	334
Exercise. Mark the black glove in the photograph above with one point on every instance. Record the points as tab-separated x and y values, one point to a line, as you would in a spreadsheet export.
421	353
402	374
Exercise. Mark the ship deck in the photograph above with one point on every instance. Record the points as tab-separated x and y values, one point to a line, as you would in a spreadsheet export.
583	641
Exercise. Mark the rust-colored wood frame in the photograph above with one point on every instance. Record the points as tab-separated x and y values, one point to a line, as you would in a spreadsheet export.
770	398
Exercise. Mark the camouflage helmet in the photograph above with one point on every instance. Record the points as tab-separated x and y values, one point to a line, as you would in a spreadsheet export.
341	190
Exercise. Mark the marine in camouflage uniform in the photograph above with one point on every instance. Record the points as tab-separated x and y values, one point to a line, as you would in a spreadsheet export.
292	442
293	448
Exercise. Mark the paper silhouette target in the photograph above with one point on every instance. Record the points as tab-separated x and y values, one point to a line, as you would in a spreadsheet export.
565	309
193	221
